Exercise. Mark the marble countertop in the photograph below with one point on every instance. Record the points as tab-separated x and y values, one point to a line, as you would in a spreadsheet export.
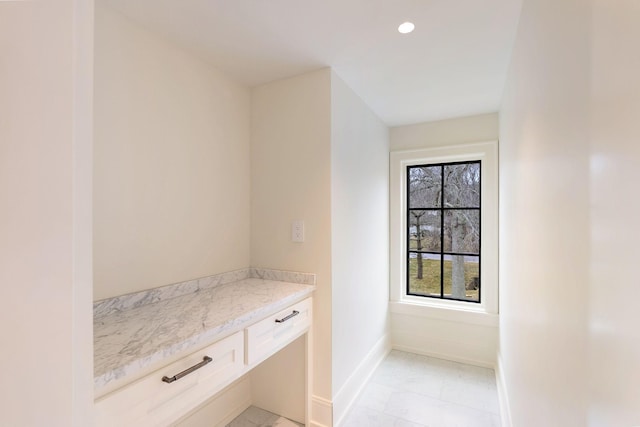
131	343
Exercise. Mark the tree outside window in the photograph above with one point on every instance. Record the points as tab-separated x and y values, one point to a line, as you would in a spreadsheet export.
443	235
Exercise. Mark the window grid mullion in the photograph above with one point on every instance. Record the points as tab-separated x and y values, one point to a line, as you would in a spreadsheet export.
441	232
441	210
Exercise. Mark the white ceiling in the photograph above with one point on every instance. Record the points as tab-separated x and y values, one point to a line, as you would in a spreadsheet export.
454	64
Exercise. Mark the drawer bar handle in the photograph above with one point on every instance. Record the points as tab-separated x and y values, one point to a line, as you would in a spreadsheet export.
284	319
176	377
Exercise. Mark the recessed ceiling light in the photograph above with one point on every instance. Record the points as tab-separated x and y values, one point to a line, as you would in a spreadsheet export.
406	27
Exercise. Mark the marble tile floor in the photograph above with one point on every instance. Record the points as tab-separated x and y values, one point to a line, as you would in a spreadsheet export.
256	417
409	390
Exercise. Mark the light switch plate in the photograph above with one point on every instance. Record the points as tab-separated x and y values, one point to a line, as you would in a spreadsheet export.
297	231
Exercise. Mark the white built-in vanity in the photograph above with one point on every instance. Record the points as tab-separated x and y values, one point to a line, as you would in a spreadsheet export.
162	353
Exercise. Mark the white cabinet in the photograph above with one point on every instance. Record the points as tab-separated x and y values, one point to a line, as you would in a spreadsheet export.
167	394
156	400
266	337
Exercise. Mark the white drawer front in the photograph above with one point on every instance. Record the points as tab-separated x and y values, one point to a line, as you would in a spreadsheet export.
271	334
152	402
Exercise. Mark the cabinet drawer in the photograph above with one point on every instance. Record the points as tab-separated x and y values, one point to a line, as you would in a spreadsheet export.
151	401
271	334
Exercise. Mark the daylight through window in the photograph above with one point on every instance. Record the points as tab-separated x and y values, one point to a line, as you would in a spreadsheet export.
443	231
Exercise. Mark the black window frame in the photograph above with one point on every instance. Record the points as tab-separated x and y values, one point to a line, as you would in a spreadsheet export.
442	210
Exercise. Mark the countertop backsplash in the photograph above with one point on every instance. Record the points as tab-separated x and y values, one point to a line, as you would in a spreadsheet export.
120	303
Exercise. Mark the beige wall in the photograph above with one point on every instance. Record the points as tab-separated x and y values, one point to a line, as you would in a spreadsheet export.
291	179
171	190
359	237
45	262
461	130
614	362
544	217
569	154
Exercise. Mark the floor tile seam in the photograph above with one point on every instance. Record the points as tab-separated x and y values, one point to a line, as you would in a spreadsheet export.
440	393
423	425
384	411
394	417
471	407
404	390
441	400
485	401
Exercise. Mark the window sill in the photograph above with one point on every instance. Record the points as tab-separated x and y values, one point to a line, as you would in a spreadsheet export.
452	313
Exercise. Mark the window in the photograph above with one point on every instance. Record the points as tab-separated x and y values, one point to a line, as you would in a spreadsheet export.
443	233
444	228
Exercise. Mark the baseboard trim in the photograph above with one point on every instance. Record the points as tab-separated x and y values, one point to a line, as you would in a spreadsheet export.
503	396
444	356
349	392
321	412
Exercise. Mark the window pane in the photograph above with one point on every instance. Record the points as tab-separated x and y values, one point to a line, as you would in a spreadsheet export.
424	230
462	277
443	214
424	186
462	231
462	185
424	274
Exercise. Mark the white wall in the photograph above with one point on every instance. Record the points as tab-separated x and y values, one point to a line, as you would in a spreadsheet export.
614	171
359	240
462	130
171	163
569	156
45	221
269	391
451	336
465	337
544	216
291	179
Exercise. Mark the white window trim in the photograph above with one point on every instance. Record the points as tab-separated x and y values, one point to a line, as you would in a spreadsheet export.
487	152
